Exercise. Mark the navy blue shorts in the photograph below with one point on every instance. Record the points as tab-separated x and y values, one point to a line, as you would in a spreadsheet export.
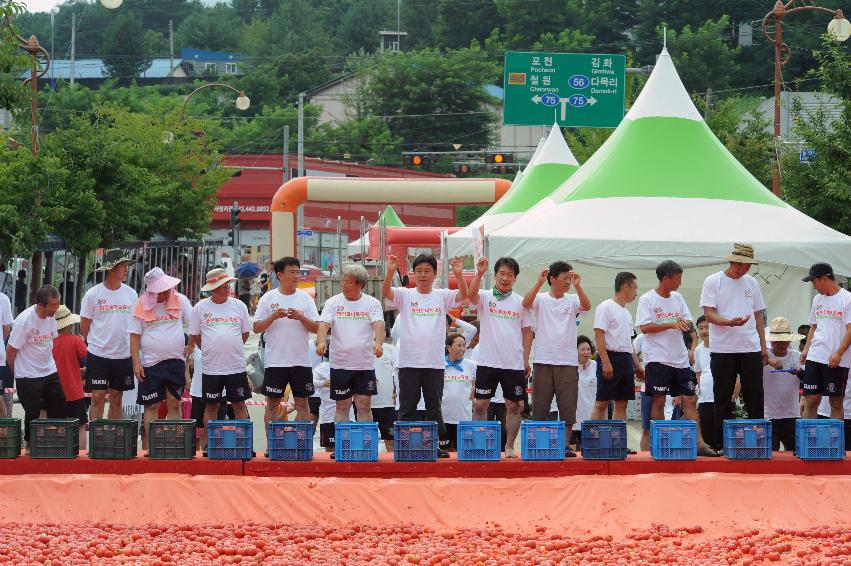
819	379
166	375
622	385
106	373
276	379
662	379
6	379
235	385
348	382
646	410
513	383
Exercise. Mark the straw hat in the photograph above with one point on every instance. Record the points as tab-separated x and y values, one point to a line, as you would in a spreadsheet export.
781	331
742	253
216	278
156	281
64	317
113	258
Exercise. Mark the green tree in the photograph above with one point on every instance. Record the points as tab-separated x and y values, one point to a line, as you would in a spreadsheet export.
13	95
822	188
368	139
213	28
295	27
279	81
125	50
460	23
526	22
703	56
361	23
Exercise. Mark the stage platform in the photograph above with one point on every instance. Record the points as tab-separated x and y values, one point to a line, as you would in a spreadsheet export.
323	466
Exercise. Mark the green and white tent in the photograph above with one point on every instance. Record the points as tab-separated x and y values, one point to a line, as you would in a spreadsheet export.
664	187
390	217
550	165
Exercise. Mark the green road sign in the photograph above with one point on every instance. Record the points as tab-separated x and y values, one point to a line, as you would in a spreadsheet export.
576	89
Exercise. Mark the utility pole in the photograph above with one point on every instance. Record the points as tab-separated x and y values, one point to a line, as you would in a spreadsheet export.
170	47
73	45
708	102
299	224
286	165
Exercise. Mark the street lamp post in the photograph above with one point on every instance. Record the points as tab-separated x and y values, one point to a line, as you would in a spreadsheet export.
839	28
242	101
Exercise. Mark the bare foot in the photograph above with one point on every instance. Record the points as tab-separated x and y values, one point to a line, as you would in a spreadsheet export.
509	453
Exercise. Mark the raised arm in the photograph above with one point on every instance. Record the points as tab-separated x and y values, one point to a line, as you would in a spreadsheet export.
473	291
387	285
458	271
529	298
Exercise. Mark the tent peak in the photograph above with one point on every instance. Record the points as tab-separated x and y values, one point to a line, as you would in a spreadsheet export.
664	95
554	150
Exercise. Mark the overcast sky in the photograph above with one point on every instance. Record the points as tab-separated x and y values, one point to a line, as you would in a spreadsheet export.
48	5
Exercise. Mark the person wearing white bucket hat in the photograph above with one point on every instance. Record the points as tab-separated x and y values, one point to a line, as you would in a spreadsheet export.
105	313
70	356
157	345
220	326
781	384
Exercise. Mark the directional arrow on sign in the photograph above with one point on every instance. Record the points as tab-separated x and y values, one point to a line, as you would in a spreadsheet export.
592	101
536	99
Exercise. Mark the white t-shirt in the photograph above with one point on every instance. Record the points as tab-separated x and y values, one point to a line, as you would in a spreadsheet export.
587	393
616	322
422	325
352	335
824	406
831	315
782	399
501	341
221	327
706	393
162	338
385	370
110	313
195	389
327	406
32	337
5	318
285	337
457	385
555	329
467	330
733	298
665	347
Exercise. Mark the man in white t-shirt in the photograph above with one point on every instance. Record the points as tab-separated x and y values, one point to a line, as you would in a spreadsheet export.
505	344
422	333
158	346
617	364
732	303
30	358
556	361
6	380
105	313
220	326
662	317
356	323
288	316
383	405
827	355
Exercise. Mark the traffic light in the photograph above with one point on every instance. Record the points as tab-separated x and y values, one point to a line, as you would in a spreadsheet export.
499	158
464	167
416	159
233	232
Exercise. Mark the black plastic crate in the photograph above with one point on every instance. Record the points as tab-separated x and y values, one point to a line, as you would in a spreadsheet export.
54	438
10	438
172	440
113	439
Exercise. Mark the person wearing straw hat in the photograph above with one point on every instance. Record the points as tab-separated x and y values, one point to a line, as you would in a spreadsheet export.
732	303
69	353
105	313
219	325
6	327
781	384
30	358
157	345
827	355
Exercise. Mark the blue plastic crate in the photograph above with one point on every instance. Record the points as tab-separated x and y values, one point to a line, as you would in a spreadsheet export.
604	440
820	439
747	439
290	440
479	440
673	440
542	440
415	441
230	440
356	442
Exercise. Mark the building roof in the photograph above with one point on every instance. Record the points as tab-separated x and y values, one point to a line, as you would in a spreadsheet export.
811	103
94	69
203	55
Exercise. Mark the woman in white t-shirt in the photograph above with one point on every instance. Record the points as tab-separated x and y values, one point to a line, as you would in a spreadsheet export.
458	380
587	388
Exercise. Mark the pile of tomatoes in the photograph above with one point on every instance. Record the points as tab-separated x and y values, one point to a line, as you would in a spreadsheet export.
404	545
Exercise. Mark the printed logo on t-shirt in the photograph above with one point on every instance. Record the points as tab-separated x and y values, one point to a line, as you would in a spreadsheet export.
37	338
343	314
220	321
424	312
276	306
168	318
497	312
748	293
662	316
826	314
104	307
457	378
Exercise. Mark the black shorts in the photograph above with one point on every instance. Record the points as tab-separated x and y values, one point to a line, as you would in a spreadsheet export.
165	375
326	435
6	379
235	385
313	403
386	418
348	382
819	379
276	379
622	385
513	382
105	373
662	379
198	406
77	410
449	439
